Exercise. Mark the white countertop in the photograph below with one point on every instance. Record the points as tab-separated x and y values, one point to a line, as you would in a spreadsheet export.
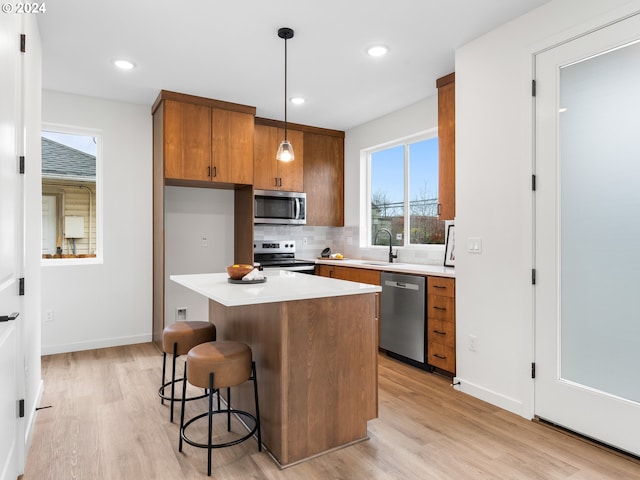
281	286
410	268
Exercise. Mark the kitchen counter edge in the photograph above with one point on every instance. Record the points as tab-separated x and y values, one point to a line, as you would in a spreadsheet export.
408	268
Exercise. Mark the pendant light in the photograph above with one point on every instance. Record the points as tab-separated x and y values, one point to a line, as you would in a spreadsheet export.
285	151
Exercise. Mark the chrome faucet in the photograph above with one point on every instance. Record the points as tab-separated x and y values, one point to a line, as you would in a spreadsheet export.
391	254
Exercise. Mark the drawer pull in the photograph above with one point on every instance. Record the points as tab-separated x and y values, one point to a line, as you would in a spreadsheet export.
439	308
438	286
441	357
439	332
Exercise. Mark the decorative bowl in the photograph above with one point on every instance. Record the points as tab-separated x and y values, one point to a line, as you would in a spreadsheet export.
237	271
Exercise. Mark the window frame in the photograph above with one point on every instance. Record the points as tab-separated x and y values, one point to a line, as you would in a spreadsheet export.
365	238
99	203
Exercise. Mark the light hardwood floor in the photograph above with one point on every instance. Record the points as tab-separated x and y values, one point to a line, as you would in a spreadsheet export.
106	422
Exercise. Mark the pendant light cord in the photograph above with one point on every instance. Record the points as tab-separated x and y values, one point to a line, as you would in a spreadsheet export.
285	89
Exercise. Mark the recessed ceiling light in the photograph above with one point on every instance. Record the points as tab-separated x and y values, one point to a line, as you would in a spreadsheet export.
124	64
297	100
377	50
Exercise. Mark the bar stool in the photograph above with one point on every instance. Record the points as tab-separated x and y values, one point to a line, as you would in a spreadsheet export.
178	338
216	365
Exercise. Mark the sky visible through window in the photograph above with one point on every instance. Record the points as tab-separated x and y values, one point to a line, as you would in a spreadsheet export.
387	171
83	143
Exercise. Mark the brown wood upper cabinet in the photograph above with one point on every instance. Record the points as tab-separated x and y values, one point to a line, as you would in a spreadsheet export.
269	173
206	140
324	179
447	146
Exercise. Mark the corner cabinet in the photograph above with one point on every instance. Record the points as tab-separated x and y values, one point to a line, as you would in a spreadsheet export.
269	173
441	323
447	146
200	142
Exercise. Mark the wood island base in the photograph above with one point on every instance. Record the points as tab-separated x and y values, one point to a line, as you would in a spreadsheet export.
316	363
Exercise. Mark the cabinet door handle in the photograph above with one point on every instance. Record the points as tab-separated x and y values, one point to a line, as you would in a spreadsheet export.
280	181
438	308
439	332
208	171
439	205
441	357
215	172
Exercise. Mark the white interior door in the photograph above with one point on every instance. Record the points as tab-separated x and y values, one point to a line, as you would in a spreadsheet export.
588	235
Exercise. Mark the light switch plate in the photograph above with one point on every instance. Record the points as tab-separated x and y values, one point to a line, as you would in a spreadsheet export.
474	245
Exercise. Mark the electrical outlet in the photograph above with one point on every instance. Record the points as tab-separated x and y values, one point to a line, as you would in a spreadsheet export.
48	316
204	241
181	314
349	240
473	343
305	242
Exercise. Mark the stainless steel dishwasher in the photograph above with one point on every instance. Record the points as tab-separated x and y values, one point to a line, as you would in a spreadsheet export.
402	325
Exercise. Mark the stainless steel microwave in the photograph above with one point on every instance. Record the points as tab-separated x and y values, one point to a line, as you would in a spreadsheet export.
272	206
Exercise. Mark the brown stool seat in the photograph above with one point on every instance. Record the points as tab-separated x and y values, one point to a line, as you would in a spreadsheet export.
230	362
212	366
187	335
177	339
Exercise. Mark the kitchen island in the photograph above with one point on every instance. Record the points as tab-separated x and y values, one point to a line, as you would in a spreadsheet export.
314	341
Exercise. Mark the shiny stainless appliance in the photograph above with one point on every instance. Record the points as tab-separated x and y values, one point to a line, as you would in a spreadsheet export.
271	206
280	255
402	323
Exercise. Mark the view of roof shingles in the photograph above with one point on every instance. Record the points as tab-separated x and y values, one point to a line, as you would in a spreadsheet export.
62	161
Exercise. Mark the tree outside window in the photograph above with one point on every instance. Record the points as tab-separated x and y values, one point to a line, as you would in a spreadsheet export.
404	194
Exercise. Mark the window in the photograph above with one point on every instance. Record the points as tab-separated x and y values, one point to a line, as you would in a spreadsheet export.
70	192
403	193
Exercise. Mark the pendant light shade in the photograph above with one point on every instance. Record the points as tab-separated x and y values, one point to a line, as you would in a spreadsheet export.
285	151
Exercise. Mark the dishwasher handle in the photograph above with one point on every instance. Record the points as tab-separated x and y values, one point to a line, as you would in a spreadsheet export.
408	286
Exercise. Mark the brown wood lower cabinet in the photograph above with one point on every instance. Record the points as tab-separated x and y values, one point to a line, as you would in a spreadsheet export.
362	275
441	323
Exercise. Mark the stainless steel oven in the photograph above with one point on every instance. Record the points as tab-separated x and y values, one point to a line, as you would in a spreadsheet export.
271	206
280	255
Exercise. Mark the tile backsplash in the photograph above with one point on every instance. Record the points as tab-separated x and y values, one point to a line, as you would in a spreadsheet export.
345	240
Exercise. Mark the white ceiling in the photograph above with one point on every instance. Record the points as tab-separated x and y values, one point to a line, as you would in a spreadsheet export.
230	51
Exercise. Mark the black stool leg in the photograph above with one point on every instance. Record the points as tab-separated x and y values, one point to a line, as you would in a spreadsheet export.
210	438
228	409
173	380
184	394
255	391
164	373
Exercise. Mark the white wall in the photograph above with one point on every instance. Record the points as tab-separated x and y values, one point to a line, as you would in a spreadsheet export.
106	304
494	138
192	214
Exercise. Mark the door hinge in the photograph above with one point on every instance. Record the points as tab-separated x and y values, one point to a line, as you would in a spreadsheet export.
22	164
23	43
21	408
533	88
533	182
533	276
21	286
533	369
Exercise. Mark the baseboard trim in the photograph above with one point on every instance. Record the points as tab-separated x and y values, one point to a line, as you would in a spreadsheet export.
93	344
489	396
